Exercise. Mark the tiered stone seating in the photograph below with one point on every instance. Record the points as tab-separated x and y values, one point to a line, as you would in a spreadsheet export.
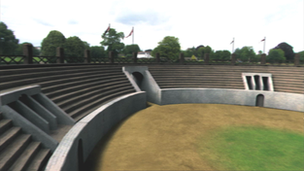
18	151
78	90
285	79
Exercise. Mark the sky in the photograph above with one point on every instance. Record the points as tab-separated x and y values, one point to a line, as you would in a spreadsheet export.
193	22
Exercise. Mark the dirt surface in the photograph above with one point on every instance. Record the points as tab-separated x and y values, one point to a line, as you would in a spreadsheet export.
166	137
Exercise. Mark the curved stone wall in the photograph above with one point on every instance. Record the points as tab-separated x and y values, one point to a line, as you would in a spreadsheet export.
277	100
78	143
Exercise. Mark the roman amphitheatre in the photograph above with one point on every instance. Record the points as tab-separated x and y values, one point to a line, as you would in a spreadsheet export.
151	116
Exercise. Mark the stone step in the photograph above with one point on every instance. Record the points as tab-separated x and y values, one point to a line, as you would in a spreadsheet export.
26	157
80	80
210	76
21	75
39	161
5	124
8	137
289	83
189	82
43	68
90	107
13	150
196	86
286	78
58	82
201	80
89	97
27	81
202	83
221	67
67	99
216	72
211	71
84	87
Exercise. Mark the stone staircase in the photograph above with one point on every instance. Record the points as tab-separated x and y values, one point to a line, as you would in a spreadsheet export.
78	90
17	149
285	79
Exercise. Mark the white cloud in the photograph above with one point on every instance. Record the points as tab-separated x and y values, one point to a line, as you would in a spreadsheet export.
194	22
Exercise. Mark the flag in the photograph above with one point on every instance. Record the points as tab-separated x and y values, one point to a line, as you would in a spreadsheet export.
263	40
107	30
130	34
232	41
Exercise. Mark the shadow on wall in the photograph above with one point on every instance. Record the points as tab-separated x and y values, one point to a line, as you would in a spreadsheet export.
138	77
80	155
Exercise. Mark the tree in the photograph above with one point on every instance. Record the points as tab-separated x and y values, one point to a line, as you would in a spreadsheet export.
288	50
245	54
301	56
97	52
275	55
257	58
53	40
19	50
200	46
112	40
207	49
201	52
74	47
86	45
189	52
8	41
221	55
169	47
129	49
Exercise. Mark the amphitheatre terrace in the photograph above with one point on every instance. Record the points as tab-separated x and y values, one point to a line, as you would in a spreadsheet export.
52	113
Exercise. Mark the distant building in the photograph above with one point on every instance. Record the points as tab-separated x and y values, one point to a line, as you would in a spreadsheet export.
144	55
38	47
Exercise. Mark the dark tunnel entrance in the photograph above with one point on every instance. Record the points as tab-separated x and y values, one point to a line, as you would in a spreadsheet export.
138	77
260	100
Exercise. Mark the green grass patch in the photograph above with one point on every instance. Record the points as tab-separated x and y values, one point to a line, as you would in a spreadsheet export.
254	148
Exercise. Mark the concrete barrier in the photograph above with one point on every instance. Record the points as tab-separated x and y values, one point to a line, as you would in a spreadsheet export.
147	84
277	100
78	143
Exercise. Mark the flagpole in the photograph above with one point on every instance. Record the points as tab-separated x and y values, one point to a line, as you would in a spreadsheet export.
233	46
133	36
264	43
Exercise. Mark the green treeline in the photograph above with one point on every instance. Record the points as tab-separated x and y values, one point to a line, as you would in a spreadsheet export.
168	48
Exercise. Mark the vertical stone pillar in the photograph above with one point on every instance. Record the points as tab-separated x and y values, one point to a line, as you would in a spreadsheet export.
297	59
206	58
60	55
111	57
87	56
263	59
233	56
157	58
134	55
28	53
181	58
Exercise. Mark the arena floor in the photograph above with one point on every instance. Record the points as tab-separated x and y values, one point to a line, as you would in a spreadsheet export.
169	137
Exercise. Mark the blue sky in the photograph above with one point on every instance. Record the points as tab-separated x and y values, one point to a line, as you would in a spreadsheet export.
194	22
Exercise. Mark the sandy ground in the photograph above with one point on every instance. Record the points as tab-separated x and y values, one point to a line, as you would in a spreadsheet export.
167	137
